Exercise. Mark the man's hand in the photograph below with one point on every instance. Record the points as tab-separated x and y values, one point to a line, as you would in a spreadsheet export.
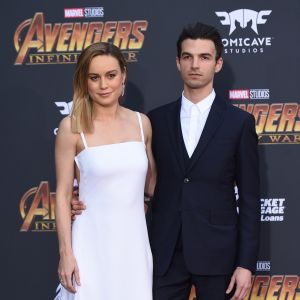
241	278
77	206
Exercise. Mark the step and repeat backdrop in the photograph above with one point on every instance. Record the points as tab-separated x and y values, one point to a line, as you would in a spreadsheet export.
40	42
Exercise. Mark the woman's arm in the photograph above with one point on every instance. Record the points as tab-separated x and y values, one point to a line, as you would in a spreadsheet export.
151	173
65	151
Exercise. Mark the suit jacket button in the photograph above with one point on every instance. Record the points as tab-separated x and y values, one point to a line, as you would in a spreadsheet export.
186	180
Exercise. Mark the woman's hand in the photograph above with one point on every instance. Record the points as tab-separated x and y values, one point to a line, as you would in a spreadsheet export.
68	272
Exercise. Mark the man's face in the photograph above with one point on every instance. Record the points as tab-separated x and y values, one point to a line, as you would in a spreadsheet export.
197	63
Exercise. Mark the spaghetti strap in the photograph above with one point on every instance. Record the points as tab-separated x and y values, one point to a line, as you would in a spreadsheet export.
141	126
83	140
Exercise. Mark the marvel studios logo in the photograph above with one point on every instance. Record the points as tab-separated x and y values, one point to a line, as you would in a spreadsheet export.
86	12
249	94
263	266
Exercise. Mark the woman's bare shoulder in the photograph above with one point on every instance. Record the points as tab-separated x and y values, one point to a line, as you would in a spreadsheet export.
64	129
146	121
132	115
65	123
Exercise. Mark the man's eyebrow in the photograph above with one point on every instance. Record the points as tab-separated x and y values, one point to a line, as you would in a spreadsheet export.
201	54
186	53
205	54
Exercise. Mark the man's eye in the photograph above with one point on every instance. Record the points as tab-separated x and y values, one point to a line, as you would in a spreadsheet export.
185	57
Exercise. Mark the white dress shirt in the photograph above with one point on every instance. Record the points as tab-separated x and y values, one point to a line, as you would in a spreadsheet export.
193	118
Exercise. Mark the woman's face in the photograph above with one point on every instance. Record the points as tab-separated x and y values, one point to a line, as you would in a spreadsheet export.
105	80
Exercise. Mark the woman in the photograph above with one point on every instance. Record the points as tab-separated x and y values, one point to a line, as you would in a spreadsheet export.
105	254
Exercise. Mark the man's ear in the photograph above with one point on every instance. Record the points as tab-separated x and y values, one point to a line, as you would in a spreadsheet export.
219	64
178	63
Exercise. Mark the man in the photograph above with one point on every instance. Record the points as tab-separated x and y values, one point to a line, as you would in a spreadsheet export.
203	146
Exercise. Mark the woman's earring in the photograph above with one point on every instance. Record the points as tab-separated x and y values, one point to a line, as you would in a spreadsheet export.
123	89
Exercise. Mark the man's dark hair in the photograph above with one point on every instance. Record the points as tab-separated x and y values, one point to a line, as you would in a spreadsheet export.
200	31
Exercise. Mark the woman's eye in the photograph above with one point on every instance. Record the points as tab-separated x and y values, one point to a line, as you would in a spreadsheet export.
112	75
94	78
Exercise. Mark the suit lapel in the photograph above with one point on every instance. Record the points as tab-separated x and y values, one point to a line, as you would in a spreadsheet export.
175	133
213	121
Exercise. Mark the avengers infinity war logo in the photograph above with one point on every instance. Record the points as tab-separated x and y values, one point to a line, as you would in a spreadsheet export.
266	287
276	123
37	209
37	42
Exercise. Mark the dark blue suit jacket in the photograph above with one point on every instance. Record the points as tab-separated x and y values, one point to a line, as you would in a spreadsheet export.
196	195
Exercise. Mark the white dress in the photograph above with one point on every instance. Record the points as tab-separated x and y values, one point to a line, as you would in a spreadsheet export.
110	239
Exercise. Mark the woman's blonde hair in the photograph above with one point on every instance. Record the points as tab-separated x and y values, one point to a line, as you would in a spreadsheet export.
82	111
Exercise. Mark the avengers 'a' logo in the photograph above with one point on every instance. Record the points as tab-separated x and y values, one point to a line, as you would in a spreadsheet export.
37	209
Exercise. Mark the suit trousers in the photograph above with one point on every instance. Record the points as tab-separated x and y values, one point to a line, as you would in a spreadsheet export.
177	282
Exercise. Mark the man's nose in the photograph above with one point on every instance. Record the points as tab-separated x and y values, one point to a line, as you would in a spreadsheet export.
195	63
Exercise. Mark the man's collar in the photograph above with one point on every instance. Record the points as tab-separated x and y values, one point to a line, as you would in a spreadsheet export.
202	105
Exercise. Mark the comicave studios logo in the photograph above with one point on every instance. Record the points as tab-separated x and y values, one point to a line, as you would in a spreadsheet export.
249	21
65	109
